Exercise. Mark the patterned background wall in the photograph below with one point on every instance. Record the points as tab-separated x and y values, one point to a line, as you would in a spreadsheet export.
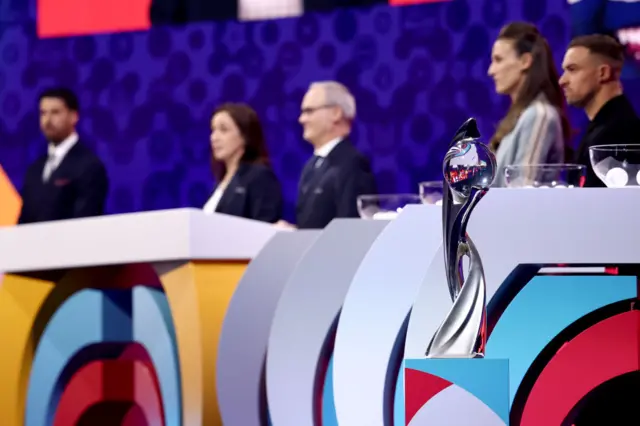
417	72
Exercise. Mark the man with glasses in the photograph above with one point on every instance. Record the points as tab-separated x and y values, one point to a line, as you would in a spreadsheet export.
338	173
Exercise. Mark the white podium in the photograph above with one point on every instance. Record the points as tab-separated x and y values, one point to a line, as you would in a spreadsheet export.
196	259
544	329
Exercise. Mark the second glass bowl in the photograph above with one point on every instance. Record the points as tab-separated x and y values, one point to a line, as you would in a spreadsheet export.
545	176
431	192
616	165
384	206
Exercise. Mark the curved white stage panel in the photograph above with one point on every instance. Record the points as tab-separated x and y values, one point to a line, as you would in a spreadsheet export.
370	336
245	331
512	227
157	236
302	329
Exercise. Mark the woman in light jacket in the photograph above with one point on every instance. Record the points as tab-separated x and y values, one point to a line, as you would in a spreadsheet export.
535	129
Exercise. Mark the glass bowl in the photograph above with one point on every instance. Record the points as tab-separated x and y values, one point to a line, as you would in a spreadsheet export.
384	206
616	165
545	176
431	192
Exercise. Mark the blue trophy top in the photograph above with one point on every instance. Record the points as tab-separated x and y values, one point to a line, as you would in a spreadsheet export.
469	164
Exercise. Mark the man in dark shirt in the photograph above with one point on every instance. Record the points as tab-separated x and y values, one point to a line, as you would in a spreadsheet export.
591	81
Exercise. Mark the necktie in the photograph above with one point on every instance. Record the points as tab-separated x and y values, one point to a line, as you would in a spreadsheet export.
49	167
309	171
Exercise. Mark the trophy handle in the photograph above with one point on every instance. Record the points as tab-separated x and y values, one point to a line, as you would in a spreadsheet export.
469	129
457	233
452	205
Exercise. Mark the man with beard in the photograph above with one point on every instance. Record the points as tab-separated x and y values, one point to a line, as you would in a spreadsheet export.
70	181
591	81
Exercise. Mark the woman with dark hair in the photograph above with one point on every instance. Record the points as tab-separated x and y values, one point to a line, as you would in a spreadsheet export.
247	186
536	129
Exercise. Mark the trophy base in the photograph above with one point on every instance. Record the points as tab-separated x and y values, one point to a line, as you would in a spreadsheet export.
456	391
457	356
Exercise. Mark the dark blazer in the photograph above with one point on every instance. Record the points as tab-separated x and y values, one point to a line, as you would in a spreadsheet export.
77	188
615	123
334	187
183	11
254	192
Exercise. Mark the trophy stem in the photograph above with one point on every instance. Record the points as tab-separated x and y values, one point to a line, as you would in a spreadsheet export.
463	332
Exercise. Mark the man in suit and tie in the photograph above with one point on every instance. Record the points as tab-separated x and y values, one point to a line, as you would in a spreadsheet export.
70	181
337	174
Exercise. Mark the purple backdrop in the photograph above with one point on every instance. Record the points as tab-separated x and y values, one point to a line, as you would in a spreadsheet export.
417	72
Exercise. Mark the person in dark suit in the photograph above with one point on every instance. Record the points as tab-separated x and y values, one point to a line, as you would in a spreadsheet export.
337	174
164	12
70	181
591	81
247	187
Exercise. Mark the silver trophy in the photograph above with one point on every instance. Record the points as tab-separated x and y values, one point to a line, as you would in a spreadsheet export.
469	169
